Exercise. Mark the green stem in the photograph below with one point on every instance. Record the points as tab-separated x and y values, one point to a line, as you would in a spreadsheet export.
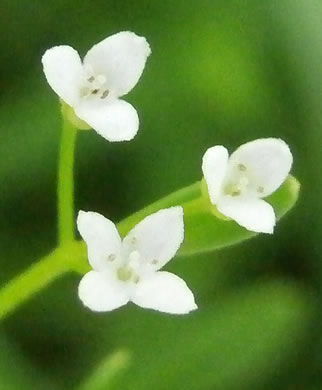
185	194
25	285
197	205
66	183
60	260
71	255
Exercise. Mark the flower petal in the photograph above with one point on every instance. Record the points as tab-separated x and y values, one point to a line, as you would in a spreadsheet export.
115	120
214	166
268	160
254	214
164	292
64	72
101	292
102	239
156	238
121	59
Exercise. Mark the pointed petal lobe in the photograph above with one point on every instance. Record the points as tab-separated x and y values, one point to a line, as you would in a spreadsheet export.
164	292
101	292
114	120
157	237
121	59
64	72
102	239
254	214
268	161
214	166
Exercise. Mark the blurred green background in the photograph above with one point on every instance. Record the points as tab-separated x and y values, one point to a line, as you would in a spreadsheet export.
221	72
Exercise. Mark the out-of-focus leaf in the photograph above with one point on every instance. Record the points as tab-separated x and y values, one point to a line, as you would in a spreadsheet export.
105	374
16	373
234	344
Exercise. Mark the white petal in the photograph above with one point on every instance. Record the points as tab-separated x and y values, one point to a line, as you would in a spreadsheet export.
156	238
102	239
164	292
254	214
214	167
101	292
64	72
268	161
121	59
115	120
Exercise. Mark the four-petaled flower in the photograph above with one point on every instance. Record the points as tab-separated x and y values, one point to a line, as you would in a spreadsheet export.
237	184
110	70
128	270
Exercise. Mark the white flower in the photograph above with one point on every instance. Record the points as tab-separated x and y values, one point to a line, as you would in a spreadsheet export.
110	70
237	184
128	270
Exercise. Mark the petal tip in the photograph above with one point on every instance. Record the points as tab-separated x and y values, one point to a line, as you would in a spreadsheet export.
117	121
86	219
140	40
46	56
177	210
288	152
178	213
271	229
268	230
81	214
214	166
214	150
63	70
97	294
188	310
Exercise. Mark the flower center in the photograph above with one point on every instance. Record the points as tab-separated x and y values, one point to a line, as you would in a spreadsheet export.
94	85
124	273
128	271
240	183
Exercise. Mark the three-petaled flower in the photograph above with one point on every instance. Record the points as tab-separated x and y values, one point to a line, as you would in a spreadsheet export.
110	70
128	270
237	184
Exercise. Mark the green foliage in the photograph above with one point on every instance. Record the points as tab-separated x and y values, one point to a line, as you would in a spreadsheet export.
107	372
16	372
233	344
221	72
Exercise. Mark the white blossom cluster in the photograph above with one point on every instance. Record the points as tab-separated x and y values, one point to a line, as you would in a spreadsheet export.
129	269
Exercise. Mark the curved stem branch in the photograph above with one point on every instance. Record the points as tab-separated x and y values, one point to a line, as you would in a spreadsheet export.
177	198
71	255
25	285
